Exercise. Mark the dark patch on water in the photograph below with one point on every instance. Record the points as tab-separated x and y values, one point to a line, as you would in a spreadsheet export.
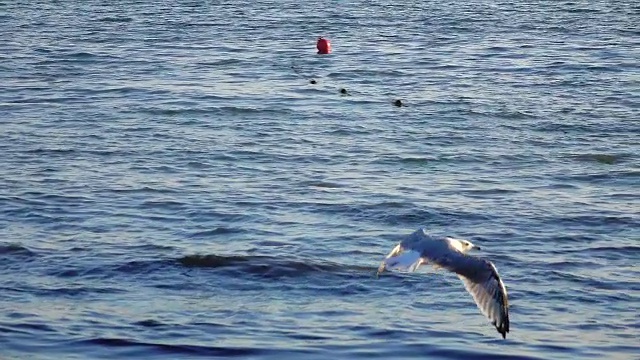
217	231
74	292
150	323
607	159
30	328
619	176
222	62
594	220
41	151
138	347
417	161
16	250
323	184
219	110
214	261
144	190
275	267
116	19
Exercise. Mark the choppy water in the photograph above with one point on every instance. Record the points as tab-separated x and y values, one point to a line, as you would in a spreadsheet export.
172	186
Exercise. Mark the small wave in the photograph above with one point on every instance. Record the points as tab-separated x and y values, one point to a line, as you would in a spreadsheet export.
272	267
137	266
418	161
175	349
37	198
494	191
324	184
25	327
54	151
610	252
622	249
144	190
217	231
566	264
149	323
222	62
75	291
608	159
82	55
403	213
168	204
211	110
116	19
429	351
553	127
594	220
116	90
15	249
430	160
583	10
213	261
617	176
582	280
82	268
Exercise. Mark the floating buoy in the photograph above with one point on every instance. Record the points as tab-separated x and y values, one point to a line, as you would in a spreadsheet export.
323	45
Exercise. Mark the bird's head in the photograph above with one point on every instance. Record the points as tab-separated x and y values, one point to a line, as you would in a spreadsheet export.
468	245
464	246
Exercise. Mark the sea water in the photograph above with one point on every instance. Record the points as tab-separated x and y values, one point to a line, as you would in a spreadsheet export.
173	186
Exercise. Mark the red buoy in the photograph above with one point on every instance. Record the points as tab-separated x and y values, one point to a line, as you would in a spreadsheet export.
323	45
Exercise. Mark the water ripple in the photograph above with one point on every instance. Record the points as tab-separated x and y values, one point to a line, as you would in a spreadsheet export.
174	184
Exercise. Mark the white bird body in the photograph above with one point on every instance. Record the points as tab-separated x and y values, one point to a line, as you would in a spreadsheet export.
479	276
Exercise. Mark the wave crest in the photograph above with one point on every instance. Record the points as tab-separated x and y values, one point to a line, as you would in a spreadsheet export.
267	266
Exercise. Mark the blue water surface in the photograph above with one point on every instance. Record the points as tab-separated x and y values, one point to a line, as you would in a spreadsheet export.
173	186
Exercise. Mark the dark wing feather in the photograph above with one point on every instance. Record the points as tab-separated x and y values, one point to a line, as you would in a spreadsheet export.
482	281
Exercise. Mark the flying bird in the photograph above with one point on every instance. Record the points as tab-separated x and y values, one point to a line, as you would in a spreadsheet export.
479	276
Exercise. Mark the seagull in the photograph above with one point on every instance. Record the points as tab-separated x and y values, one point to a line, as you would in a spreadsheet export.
479	276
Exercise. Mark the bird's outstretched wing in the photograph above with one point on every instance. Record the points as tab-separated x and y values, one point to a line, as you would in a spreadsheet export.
482	281
401	259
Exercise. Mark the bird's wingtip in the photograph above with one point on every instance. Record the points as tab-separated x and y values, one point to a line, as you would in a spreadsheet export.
503	332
